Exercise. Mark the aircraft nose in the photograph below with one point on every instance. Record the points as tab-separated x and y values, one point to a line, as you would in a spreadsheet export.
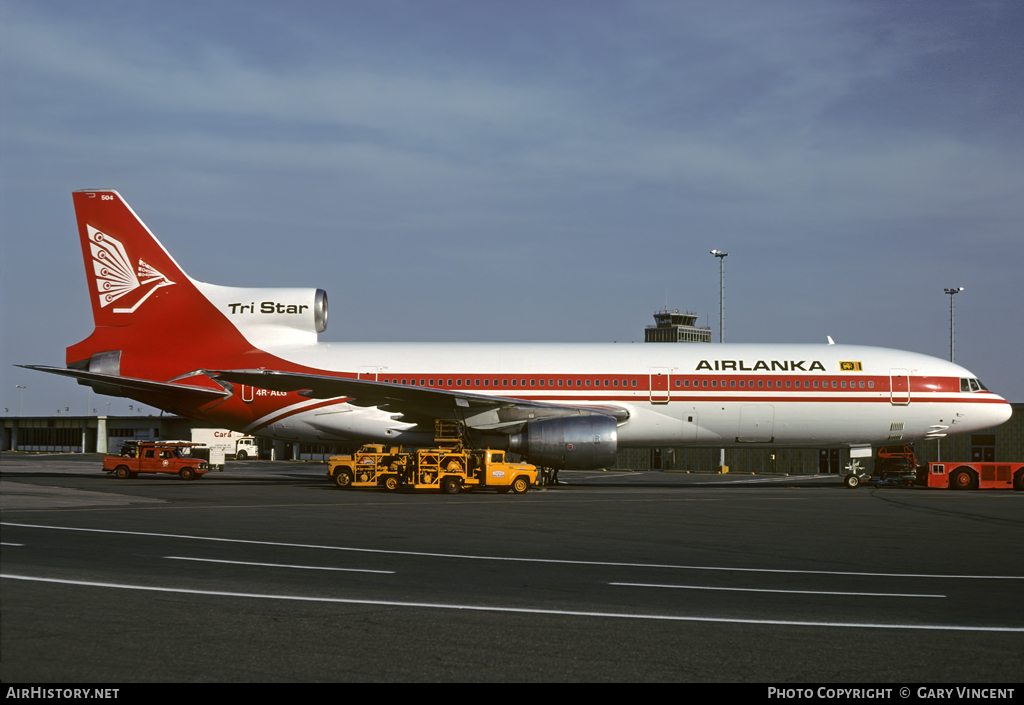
995	414
1001	413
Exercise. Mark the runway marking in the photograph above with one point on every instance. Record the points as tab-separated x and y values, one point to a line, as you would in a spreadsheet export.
279	565
512	559
460	502
793	592
5	543
520	610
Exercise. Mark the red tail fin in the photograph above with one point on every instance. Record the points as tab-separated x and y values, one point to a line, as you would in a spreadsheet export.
124	264
149	314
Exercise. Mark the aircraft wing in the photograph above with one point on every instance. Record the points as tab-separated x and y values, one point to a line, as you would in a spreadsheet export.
143	390
417	404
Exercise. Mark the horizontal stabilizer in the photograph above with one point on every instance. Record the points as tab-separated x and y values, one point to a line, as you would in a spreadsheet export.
115	385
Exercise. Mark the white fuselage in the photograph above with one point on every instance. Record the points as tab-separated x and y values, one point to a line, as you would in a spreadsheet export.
692	394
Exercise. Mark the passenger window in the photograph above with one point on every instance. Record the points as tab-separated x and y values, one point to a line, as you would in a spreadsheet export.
634	383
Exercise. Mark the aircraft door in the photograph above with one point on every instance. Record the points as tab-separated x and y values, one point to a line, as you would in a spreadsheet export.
899	387
689	433
659	385
369	373
757	424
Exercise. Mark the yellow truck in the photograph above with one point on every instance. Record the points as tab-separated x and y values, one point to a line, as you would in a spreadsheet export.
451	469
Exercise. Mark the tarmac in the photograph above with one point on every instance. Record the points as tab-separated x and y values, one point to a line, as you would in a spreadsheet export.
267	572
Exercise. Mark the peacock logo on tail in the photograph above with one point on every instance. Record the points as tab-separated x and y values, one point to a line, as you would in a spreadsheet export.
117	277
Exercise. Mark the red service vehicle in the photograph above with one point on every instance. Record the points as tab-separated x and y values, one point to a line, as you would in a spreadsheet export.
973	476
155	456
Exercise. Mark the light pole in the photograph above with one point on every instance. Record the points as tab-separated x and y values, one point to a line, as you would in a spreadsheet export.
952	293
21	398
721	293
721	326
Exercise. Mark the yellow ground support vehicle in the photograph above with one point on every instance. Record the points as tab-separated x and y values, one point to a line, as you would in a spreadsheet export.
450	467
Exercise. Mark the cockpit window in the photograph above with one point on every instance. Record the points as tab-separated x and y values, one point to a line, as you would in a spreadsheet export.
970	384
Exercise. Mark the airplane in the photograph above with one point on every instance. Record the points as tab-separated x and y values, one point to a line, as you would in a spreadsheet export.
249	359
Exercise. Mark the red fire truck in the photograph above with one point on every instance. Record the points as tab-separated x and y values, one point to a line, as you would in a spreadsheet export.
156	456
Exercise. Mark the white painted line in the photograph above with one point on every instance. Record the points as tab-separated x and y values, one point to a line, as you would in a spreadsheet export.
548	561
522	610
793	592
280	565
4	543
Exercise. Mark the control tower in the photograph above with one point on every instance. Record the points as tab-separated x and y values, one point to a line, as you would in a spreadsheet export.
675	327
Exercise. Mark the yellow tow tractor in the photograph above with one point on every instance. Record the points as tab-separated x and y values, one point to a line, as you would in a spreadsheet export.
450	467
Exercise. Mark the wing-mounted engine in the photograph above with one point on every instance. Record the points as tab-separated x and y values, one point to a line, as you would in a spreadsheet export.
571	443
268	317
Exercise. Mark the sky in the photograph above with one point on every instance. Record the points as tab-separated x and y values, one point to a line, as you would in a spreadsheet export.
528	171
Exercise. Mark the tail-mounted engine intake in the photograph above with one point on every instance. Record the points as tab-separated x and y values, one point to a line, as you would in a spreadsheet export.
570	443
271	316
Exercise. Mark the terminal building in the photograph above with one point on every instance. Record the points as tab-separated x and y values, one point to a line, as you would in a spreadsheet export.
101	434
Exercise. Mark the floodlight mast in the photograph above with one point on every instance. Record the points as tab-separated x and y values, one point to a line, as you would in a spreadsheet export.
952	292
721	326
721	293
